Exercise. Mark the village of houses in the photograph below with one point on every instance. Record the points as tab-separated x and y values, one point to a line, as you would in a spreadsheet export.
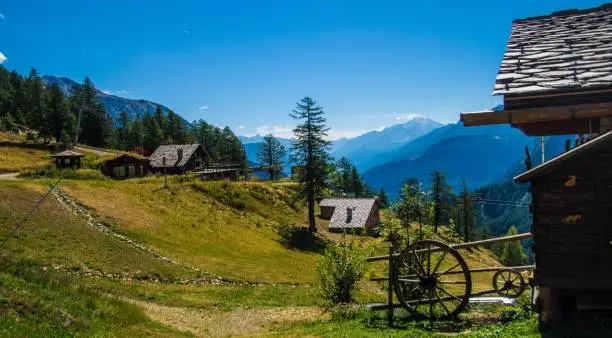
344	214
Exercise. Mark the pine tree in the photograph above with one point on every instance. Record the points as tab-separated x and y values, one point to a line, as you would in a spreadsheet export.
162	121
270	155
383	198
356	183
344	167
512	251
94	124
153	134
440	194
123	130
466	214
35	106
58	115
310	152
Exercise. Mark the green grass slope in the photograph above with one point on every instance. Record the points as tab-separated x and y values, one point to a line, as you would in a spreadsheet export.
229	229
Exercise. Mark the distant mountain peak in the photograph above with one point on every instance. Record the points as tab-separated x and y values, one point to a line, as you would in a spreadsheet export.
114	104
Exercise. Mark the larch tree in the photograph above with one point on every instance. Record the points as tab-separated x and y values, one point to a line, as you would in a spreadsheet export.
466	214
512	251
440	194
58	115
270	155
309	151
383	198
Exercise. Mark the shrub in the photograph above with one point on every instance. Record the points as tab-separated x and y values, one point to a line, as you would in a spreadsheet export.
340	269
300	238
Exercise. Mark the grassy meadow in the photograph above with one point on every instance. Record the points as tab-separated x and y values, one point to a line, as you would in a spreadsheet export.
54	276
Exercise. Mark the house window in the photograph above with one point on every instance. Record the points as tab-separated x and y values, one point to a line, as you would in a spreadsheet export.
132	170
119	171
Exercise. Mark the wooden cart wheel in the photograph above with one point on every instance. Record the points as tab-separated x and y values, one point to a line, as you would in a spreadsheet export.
431	280
508	283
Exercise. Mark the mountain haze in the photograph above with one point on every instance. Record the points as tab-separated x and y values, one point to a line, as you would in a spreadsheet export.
372	148
481	155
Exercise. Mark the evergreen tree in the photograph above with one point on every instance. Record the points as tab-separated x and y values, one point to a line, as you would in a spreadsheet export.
440	195
136	133
310	152
123	130
512	251
153	134
162	122
356	183
35	106
270	155
58	115
383	198
343	178
466	214
94	124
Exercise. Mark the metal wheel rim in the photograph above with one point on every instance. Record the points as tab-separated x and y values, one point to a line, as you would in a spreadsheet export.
439	295
508	283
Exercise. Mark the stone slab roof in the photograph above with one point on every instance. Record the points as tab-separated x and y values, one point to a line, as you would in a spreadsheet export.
170	152
567	50
68	153
361	208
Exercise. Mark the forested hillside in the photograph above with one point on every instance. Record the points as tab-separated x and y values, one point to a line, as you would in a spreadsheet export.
43	109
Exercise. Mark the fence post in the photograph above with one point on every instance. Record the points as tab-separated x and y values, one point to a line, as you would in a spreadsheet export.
390	283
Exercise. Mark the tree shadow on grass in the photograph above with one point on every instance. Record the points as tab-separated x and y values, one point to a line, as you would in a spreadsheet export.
299	238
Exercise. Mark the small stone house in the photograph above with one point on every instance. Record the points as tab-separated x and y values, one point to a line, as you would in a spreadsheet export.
178	158
350	214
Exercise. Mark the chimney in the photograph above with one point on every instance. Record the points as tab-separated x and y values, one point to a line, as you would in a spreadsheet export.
349	215
179	155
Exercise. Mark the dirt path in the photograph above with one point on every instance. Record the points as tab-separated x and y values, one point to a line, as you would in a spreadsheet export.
9	176
223	324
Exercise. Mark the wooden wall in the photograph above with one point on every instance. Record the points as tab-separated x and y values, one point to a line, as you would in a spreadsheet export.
572	223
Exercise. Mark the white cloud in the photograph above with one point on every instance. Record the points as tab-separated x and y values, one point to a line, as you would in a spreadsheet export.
241	127
406	117
186	31
285	131
2	17
203	107
2	58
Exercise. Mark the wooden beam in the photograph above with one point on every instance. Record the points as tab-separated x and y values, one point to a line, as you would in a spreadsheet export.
524	116
567	127
484	118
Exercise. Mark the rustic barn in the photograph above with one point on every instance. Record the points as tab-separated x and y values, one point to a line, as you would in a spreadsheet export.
556	79
177	159
350	214
68	159
213	172
572	222
126	166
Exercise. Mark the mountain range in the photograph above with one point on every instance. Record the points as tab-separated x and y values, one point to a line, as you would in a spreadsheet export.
114	104
480	155
373	148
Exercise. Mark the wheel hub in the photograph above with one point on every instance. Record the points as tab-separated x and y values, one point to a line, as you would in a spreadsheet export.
428	282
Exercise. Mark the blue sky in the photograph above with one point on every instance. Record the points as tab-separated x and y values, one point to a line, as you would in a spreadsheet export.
245	63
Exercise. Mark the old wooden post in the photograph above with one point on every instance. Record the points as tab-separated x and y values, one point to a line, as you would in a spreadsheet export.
390	287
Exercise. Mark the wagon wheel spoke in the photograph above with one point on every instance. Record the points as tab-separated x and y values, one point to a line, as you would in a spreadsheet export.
418	262
439	262
442	303
409	280
449	269
451	282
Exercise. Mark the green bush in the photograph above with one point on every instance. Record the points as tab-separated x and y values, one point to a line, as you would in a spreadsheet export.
50	171
340	270
300	238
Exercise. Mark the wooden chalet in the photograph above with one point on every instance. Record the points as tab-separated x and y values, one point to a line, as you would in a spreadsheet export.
178	159
68	159
126	166
350	214
556	79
